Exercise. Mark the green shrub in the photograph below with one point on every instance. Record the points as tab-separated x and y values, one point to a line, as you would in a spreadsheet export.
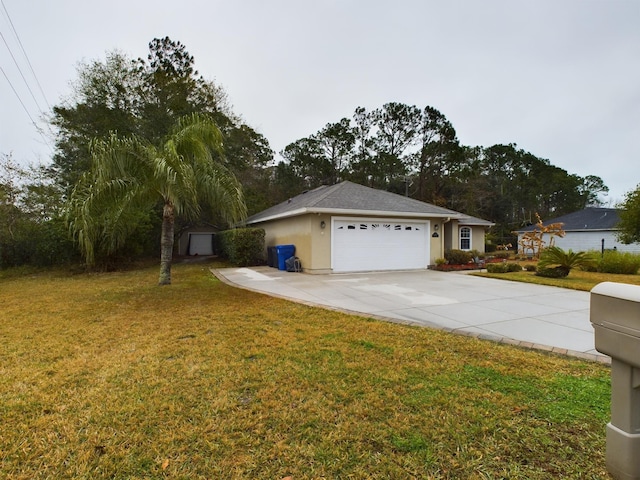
458	257
496	268
619	262
477	254
593	267
502	254
552	272
243	246
503	267
39	244
530	268
514	267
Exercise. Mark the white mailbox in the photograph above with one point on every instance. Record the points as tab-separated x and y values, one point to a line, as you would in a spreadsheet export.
615	316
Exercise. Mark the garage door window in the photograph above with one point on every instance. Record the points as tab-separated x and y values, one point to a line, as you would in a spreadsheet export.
465	238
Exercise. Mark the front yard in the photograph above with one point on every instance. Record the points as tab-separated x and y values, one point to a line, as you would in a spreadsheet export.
110	376
577	279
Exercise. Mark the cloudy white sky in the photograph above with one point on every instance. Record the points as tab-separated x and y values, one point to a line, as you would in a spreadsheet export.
560	78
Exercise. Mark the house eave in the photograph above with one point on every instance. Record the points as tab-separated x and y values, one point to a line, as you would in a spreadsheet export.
358	212
477	224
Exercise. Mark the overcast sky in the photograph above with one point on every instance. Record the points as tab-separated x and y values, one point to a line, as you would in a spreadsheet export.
559	78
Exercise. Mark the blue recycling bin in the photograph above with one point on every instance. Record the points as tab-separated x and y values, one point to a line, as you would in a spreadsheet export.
284	252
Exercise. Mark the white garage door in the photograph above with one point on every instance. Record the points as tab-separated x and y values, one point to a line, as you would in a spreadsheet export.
201	244
374	244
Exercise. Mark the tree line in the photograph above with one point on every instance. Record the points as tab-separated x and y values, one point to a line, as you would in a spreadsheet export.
400	148
415	152
135	112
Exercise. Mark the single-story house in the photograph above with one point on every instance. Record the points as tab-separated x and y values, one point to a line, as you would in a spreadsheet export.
348	227
589	229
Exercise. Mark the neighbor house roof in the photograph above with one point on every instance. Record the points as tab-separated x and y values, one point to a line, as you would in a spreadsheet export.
589	219
349	198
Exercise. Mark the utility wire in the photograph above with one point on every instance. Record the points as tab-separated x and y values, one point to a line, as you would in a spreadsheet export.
24	52
35	125
38	129
21	74
17	96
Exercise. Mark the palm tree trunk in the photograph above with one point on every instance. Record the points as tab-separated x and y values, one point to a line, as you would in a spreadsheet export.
166	244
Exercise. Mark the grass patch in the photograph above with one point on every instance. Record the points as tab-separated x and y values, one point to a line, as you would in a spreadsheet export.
577	279
109	376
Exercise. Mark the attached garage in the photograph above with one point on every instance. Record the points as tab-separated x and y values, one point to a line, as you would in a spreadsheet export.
365	244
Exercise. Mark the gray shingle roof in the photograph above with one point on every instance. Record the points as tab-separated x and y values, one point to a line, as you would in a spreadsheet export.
352	199
469	220
591	218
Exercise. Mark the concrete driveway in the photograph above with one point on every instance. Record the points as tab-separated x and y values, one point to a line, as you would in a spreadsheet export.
533	316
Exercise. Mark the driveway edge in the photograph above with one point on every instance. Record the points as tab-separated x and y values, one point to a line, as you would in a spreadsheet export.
590	357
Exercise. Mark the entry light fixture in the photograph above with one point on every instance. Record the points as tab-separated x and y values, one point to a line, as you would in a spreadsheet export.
322	224
436	226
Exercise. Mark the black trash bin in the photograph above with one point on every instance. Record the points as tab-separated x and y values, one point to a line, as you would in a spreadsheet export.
272	257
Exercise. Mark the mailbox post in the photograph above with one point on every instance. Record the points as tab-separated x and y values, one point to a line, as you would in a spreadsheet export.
615	316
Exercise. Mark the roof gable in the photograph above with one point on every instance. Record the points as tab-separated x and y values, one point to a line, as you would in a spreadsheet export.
351	198
583	220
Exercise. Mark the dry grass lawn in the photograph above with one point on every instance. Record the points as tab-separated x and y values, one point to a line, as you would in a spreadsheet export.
577	279
110	376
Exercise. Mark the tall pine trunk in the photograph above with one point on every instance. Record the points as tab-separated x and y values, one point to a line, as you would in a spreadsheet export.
166	244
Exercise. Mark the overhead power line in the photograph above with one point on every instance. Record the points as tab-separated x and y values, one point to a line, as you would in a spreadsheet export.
18	96
21	74
15	92
24	79
24	52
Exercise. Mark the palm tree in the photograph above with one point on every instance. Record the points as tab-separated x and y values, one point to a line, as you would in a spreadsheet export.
129	175
555	262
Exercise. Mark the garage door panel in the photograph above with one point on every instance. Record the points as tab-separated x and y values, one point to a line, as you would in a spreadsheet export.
201	244
360	245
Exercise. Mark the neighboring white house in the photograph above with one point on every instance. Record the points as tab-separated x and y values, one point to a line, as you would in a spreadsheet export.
588	229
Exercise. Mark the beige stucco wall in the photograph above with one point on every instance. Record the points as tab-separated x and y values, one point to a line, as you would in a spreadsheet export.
451	236
437	247
313	243
477	239
321	244
452	230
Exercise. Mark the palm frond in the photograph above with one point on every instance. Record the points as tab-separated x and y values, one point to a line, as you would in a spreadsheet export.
222	191
129	175
553	257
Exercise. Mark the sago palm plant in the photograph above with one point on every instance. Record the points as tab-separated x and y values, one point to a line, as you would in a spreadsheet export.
555	262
